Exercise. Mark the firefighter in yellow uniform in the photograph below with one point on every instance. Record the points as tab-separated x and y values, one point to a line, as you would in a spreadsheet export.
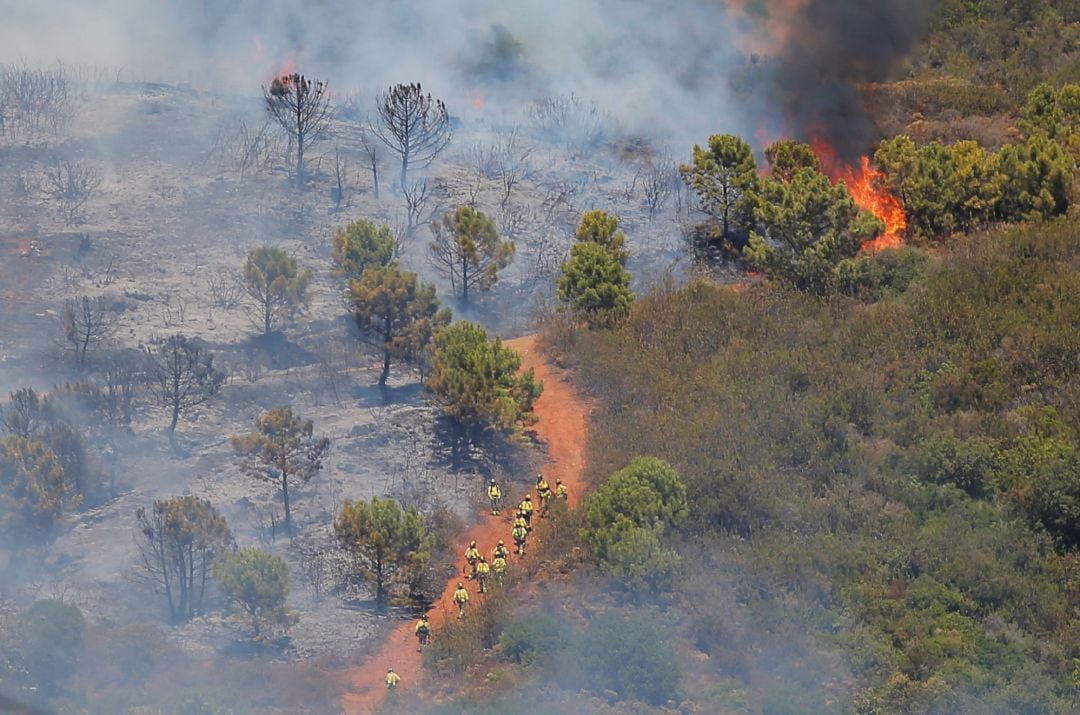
560	490
461	598
519	520
482	571
472	555
500	551
392	679
525	508
520	533
495	496
423	632
543	491
498	567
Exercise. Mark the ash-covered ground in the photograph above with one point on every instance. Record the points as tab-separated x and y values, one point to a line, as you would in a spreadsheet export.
189	182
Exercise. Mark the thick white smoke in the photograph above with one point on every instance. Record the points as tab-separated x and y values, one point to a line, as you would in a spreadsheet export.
659	66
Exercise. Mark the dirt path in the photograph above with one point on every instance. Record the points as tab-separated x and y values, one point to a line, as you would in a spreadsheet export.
562	427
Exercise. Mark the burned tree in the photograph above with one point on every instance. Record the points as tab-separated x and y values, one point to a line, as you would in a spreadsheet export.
414	125
24	414
373	153
182	375
71	184
282	447
302	108
86	322
120	378
179	540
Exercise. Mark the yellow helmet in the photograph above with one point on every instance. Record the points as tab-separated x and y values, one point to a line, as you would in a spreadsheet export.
528	498
460	585
500	542
472	543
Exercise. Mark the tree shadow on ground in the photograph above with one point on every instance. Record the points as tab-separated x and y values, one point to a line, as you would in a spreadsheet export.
277	351
238	648
375	396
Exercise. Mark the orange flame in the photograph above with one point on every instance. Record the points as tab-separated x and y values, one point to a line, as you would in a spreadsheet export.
285	67
867	189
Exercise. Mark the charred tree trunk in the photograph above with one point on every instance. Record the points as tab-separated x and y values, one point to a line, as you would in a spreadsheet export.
285	498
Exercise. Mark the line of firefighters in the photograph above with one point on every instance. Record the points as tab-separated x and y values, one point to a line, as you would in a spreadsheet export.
480	569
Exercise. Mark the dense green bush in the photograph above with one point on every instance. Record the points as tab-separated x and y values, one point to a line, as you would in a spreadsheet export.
627	517
535	639
629	656
884	491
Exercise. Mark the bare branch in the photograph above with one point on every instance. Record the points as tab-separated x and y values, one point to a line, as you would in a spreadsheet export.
301	107
414	125
71	184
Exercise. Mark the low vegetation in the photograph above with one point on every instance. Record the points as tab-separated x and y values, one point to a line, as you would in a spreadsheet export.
882	492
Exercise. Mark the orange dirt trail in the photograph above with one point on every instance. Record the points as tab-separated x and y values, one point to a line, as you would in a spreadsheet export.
564	418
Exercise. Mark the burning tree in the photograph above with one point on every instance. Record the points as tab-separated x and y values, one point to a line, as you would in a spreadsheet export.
810	227
302	108
413	124
282	447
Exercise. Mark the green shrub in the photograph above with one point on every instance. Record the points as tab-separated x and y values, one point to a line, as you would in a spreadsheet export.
535	640
627	519
872	277
630	656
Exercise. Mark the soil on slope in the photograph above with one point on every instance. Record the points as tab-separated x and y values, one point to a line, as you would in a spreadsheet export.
562	428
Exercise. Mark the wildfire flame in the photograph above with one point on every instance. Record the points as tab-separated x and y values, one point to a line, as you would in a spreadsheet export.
867	188
285	67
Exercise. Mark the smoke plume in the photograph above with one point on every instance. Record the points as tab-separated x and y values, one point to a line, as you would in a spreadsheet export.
822	49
